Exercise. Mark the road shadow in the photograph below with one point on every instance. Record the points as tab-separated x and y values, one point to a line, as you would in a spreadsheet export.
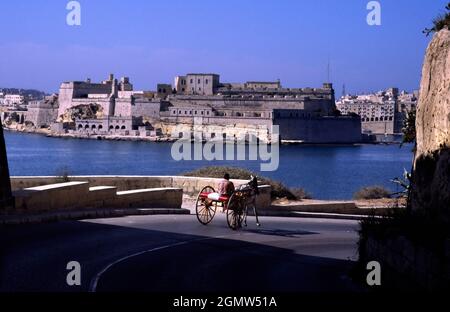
278	232
35	258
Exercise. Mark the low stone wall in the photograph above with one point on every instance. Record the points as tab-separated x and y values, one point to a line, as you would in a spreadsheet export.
190	185
68	195
168	197
79	195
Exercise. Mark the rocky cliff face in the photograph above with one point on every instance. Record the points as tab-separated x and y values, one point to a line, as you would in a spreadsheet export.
5	186
431	178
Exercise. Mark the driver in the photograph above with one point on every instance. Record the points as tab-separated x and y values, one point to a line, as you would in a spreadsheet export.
226	188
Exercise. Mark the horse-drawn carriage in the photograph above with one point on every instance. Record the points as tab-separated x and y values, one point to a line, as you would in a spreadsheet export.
235	205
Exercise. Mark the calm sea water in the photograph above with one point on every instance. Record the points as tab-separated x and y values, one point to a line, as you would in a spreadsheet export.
327	172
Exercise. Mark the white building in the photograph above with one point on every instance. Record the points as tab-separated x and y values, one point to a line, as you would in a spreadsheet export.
382	112
13	99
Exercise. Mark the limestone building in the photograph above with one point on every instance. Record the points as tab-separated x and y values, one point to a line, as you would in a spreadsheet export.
201	102
109	107
381	113
241	109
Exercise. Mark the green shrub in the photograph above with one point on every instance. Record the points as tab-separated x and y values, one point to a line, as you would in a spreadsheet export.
300	193
279	190
440	22
420	227
63	174
372	192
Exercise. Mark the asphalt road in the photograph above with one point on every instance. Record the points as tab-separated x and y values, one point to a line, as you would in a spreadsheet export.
176	253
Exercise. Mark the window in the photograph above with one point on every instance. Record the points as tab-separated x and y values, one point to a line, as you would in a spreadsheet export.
195	112
192	80
207	113
206	81
198	80
199	89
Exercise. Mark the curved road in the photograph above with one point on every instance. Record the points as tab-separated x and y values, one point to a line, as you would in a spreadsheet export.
176	253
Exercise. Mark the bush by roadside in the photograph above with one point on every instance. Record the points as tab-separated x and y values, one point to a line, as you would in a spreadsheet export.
372	192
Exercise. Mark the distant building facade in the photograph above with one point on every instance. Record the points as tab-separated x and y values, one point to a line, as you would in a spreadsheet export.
242	109
237	110
381	113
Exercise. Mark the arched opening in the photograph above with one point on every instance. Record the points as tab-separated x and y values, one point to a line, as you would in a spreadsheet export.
123	128
93	127
22	119
80	126
86	127
376	118
111	127
100	127
117	127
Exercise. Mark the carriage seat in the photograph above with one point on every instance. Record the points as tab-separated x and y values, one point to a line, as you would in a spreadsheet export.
215	196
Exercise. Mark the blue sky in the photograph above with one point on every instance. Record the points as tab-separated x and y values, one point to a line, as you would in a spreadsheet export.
152	41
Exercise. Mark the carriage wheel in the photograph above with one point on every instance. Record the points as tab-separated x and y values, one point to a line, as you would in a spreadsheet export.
205	213
235	213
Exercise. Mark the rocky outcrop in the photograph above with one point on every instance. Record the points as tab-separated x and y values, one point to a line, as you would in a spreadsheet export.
431	177
90	111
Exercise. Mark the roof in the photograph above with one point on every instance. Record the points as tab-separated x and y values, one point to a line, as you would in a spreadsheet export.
202	74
